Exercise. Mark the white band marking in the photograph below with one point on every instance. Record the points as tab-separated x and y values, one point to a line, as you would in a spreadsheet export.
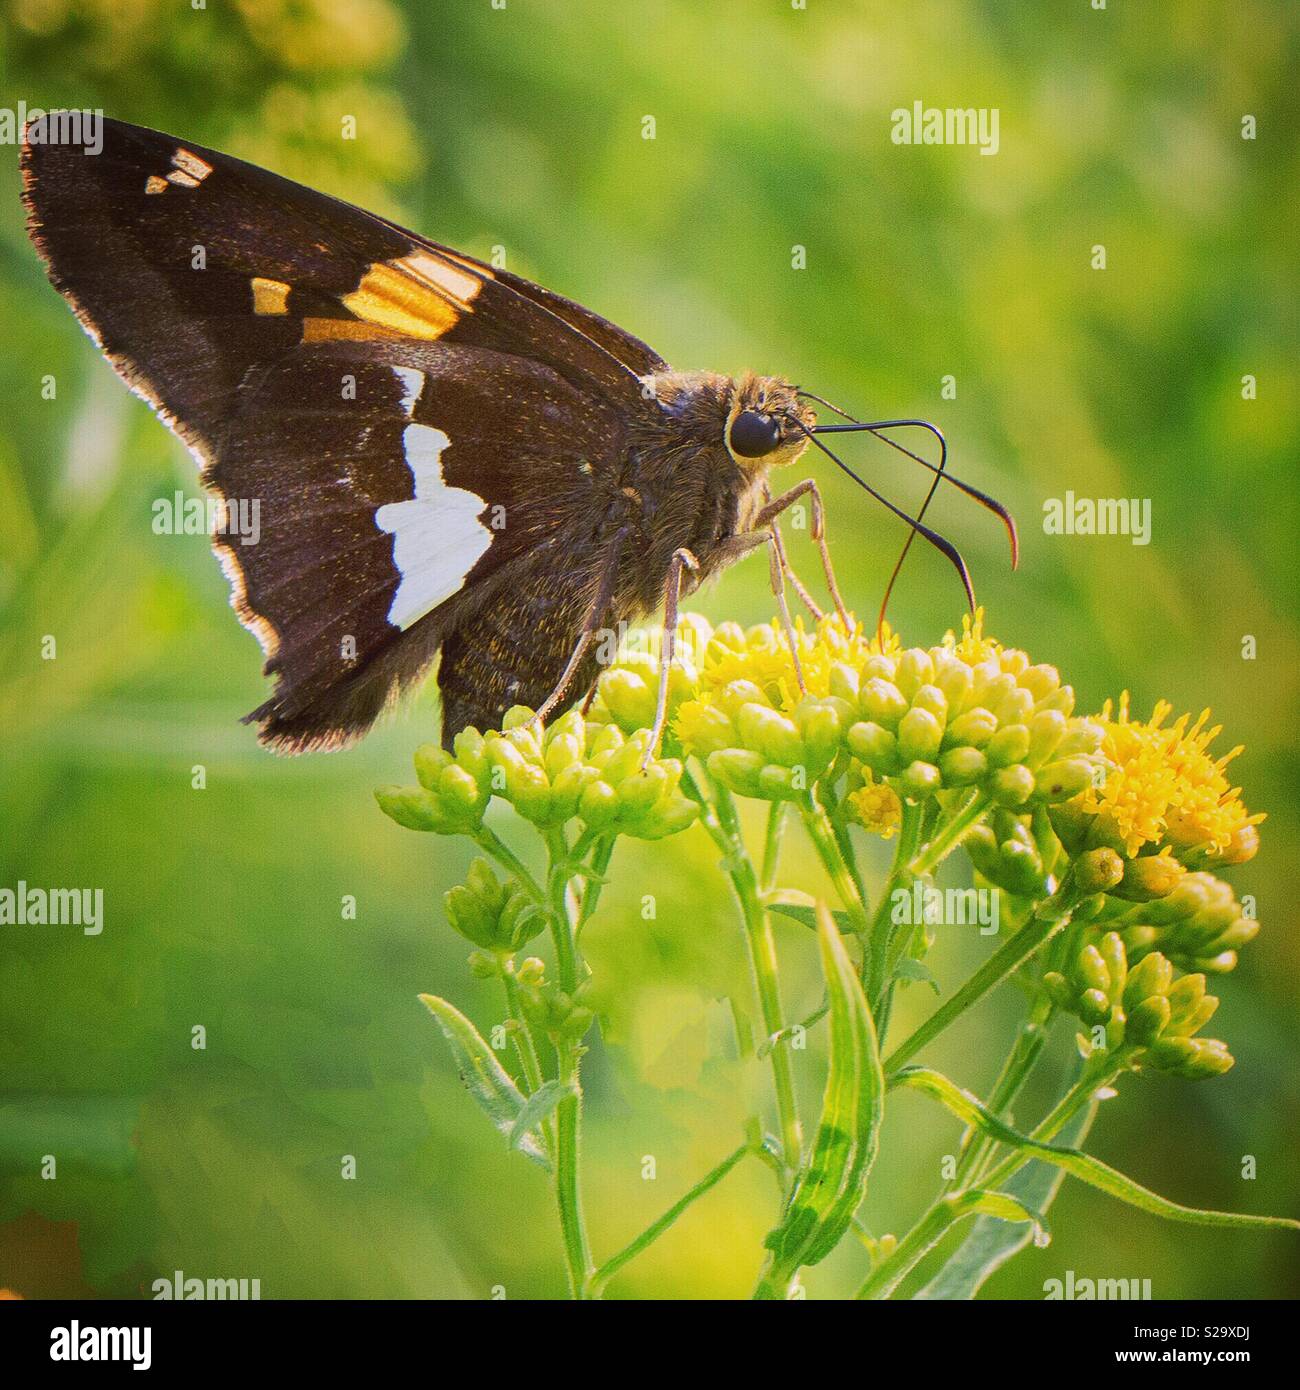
437	536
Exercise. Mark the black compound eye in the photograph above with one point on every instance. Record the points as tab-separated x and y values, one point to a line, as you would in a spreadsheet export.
753	435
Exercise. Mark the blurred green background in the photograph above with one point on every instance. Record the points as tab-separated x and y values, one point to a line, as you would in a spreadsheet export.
522	127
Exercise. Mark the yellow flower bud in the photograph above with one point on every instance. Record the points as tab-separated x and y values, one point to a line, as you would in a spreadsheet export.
1009	745
1012	786
919	736
1098	870
882	703
1152	876
1060	781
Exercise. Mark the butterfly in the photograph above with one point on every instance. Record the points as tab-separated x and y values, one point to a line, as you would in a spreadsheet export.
446	459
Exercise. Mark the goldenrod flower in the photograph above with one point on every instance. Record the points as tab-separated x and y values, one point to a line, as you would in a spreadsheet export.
628	688
1164	787
1004	851
965	713
495	916
1200	926
761	655
571	768
875	806
1141	1007
970	712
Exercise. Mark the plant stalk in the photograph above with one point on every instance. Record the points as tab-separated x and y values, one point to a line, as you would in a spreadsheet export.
1053	916
951	835
765	969
568	1113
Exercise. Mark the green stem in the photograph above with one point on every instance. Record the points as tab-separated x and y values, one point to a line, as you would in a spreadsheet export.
919	1241
772	844
1050	918
813	1018
524	1044
951	835
775	1280
491	843
834	808
744	1032
1020	1062
568	1114
611	1267
526	1050
882	927
765	968
568	1194
1066	1108
822	834
953	1207
591	889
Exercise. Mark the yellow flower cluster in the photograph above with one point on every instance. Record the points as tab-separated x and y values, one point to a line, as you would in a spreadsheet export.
965	713
761	656
1164	787
898	724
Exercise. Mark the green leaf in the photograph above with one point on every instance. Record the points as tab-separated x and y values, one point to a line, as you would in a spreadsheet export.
832	1181
811	1021
1004	1207
536	1108
807	916
484	1077
992	1241
909	969
1093	1171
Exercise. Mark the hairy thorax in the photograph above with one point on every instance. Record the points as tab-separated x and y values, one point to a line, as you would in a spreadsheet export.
684	487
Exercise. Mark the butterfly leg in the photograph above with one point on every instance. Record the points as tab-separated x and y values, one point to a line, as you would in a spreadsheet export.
768	515
748	541
682	560
795	582
766	534
590	628
776	557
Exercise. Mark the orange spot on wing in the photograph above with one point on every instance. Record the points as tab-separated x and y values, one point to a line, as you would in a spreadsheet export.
419	296
269	296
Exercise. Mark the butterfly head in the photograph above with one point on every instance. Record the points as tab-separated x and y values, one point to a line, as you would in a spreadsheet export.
767	424
759	420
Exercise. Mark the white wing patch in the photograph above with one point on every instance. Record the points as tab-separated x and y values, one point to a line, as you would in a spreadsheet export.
437	536
412	383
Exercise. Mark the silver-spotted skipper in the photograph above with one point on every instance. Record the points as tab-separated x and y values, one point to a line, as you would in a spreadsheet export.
447	457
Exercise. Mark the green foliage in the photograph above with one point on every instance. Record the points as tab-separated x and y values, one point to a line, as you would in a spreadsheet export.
489	1082
831	1184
